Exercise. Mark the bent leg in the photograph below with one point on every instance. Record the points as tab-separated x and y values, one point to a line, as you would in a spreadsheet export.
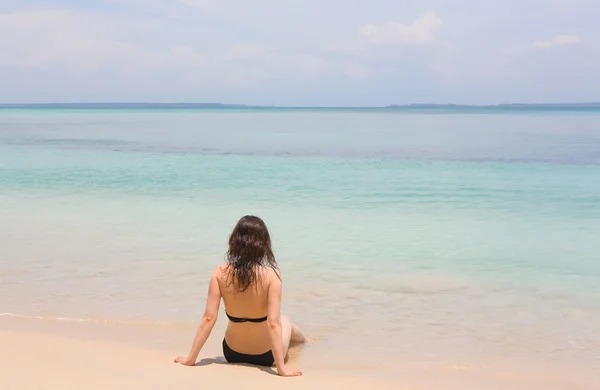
290	333
297	336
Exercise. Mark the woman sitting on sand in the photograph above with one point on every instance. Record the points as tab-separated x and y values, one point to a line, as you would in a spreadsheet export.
250	285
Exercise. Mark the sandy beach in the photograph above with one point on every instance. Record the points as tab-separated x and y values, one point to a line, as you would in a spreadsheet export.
36	361
61	356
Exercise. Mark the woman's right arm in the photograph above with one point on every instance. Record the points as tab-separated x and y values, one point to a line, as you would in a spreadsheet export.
274	322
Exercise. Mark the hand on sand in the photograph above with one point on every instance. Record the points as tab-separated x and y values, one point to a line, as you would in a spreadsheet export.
186	361
289	372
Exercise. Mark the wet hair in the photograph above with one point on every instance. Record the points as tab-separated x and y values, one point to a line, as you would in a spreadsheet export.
249	249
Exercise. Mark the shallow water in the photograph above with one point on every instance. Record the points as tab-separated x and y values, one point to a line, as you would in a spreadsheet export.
456	238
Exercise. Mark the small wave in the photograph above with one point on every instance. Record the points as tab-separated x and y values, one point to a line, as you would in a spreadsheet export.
104	321
45	318
423	284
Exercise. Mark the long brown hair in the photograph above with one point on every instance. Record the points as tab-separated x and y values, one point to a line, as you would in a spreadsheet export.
249	248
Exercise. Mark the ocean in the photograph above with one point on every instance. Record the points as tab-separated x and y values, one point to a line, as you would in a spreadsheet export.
448	238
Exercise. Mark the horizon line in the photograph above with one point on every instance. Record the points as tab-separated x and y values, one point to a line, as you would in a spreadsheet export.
237	105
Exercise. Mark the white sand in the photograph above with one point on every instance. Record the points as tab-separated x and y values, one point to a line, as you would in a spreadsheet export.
33	361
40	357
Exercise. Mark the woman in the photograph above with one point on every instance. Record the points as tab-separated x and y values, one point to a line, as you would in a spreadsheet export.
250	285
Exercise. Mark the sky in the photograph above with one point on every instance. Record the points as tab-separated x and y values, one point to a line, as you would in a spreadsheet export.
300	52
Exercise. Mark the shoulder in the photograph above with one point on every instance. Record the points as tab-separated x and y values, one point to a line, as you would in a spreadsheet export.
273	275
219	271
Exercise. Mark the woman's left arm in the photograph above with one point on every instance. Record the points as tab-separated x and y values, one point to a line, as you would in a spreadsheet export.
209	319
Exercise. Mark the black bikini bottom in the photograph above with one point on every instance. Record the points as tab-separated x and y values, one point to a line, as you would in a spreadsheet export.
265	359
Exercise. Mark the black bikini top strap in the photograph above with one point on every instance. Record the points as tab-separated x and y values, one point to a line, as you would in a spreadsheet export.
238	320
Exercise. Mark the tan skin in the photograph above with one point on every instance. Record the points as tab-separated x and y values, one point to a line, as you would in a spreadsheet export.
275	334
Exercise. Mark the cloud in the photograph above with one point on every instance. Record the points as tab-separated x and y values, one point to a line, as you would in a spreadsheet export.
421	30
559	40
87	43
108	56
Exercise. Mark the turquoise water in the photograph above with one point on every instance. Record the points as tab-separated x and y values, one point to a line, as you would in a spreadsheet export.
447	236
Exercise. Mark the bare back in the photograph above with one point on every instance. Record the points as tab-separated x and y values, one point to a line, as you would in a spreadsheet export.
247	337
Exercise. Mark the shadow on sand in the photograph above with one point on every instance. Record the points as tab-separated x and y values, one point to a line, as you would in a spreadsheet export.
221	360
